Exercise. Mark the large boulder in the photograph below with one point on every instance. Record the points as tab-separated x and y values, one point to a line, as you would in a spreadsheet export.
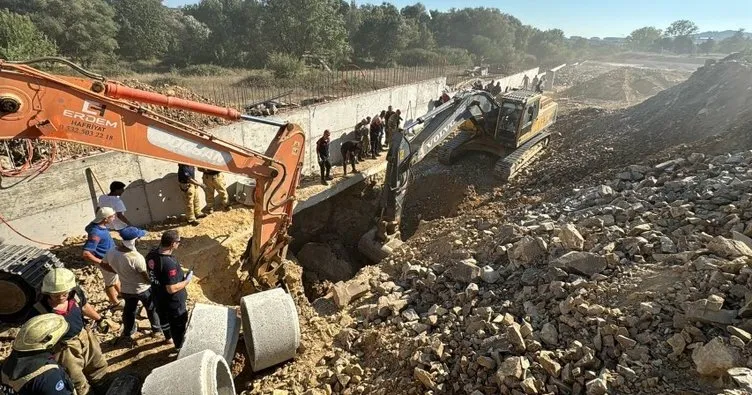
714	358
728	248
584	263
320	259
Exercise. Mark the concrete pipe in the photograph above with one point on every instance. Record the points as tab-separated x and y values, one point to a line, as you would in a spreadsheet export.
203	373
270	328
214	328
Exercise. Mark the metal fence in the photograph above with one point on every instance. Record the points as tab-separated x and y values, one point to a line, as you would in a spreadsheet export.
318	86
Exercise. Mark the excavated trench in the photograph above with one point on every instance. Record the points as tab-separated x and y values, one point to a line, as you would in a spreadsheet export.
325	236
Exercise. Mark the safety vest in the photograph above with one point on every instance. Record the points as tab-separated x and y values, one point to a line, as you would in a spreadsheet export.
17	384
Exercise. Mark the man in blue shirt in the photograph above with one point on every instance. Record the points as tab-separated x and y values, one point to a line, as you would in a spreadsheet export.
188	184
98	242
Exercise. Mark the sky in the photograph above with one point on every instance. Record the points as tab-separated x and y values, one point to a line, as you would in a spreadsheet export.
601	18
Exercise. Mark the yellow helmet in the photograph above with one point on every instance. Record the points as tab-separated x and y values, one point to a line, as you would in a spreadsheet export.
58	280
40	333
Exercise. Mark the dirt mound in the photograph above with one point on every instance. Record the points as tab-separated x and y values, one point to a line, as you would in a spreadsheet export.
626	84
711	112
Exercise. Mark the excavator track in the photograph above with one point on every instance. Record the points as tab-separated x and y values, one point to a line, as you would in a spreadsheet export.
22	269
447	151
510	165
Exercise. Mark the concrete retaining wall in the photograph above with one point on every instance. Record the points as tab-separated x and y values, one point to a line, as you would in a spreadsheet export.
60	202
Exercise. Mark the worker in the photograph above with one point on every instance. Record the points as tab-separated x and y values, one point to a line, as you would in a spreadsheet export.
387	116
496	90
444	97
539	87
80	354
489	87
350	151
478	85
322	152
168	287
525	82
214	182
31	368
97	244
130	266
392	125
535	83
382	128
188	184
113	200
373	131
365	141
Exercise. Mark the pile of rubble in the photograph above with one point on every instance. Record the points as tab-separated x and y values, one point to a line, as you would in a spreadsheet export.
639	285
627	84
709	112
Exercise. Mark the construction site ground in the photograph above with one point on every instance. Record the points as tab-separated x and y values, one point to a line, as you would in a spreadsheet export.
613	255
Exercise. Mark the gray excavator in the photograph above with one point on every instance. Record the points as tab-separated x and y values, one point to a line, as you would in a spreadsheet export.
513	126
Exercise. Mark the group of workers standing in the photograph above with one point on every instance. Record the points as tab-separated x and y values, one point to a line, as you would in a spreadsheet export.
371	137
55	351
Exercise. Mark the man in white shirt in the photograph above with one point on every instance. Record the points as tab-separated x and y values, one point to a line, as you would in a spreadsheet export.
113	201
135	286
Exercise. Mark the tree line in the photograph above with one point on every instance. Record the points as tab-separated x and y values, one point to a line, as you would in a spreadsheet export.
286	35
680	37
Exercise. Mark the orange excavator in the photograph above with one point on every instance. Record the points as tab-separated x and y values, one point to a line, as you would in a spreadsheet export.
106	114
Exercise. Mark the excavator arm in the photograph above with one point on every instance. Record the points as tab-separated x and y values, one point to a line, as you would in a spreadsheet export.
408	147
100	113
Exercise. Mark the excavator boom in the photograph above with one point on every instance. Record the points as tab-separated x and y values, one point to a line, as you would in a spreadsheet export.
95	112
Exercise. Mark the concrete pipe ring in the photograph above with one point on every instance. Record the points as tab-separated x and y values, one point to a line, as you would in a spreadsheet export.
270	328
203	373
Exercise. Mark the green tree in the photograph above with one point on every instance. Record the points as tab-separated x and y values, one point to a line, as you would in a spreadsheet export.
381	35
682	28
707	46
82	29
190	41
643	38
235	37
20	39
310	27
684	45
144	32
737	42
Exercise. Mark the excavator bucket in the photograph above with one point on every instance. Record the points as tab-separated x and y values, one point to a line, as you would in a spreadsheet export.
376	250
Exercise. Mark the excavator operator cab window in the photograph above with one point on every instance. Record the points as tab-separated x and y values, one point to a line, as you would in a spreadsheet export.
510	116
531	113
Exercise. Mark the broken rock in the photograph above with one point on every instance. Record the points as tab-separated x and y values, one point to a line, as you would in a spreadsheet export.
728	248
742	377
528	251
714	358
571	237
584	263
344	293
512	367
466	271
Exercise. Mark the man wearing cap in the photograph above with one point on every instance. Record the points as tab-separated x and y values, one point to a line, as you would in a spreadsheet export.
98	242
113	201
135	286
168	283
31	368
188	184
80	354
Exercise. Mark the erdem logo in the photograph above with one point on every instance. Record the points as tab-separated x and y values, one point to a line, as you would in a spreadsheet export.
185	147
91	112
